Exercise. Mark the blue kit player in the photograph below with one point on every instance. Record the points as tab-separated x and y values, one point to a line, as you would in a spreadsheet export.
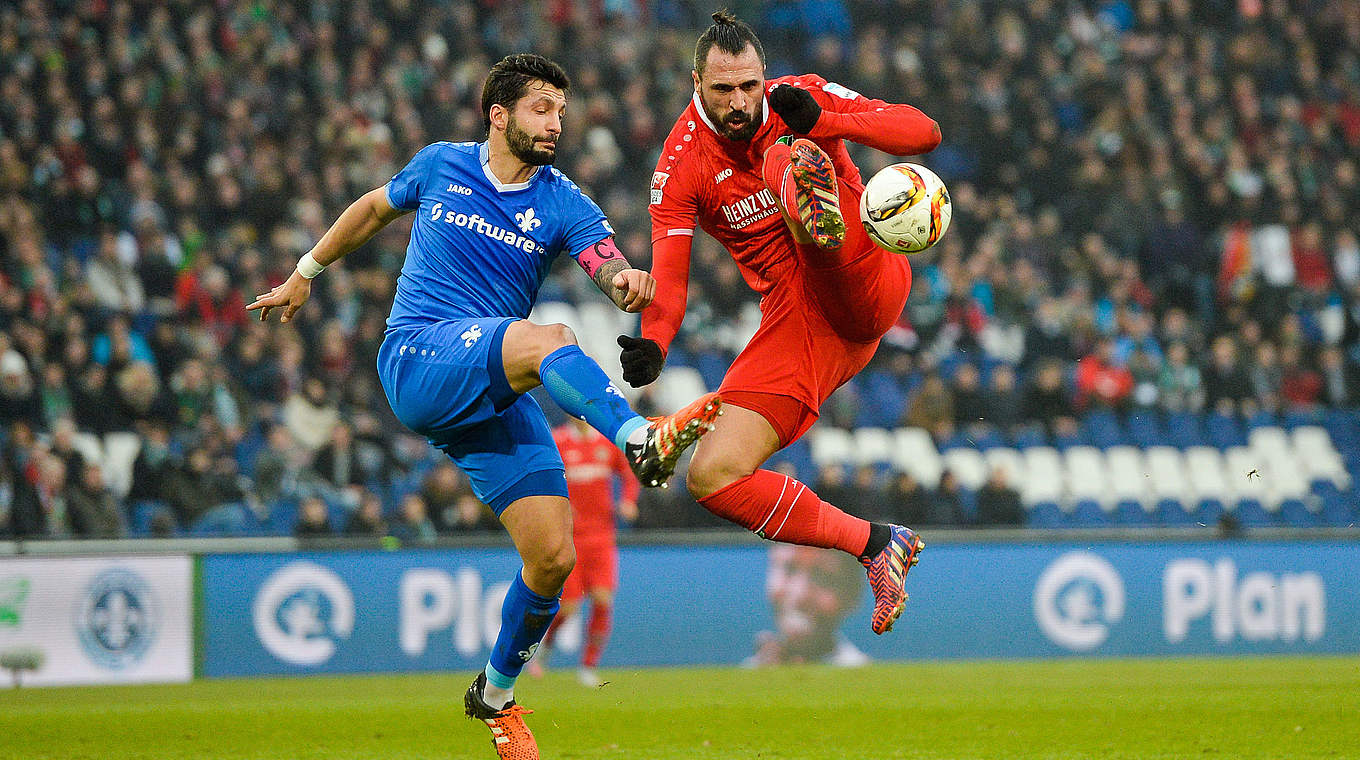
459	354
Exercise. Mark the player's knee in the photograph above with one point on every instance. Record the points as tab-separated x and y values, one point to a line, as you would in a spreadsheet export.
556	336
554	564
707	475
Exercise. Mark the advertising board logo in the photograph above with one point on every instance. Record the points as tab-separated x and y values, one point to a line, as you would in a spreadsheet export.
13	592
1077	599
301	611
116	619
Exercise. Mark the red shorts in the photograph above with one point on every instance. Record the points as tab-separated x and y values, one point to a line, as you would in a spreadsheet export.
793	364
597	566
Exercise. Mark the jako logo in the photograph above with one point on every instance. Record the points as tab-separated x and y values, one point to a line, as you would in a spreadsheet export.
1077	599
722	175
301	610
477	224
1257	606
461	190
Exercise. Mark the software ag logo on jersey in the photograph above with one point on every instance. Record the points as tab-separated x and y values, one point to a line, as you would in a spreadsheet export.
301	611
1077	599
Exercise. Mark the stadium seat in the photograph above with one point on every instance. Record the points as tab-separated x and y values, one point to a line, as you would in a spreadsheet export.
1166	473
1173	513
873	446
1185	430
1261	419
915	453
1129	476
1087	476
968	465
1089	513
1319	457
1251	513
1101	428
1046	514
1338	509
143	513
1145	429
1205	468
1344	427
831	445
1261	479
678	386
1295	514
1044	476
882	401
1010	461
1224	430
1134	514
1029	436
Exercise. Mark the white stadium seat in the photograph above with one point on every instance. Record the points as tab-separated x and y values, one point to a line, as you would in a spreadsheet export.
1166	474
1251	472
120	452
915	453
1320	459
1043	476
832	445
873	446
1204	466
1270	442
1129	476
1087	477
968	466
1011	462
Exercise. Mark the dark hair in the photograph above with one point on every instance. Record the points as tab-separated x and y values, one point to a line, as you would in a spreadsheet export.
730	34
510	78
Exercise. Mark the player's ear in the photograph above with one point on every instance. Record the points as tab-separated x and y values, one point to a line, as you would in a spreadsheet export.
499	116
695	75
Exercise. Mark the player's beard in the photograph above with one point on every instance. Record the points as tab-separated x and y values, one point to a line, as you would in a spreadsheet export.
738	125
521	145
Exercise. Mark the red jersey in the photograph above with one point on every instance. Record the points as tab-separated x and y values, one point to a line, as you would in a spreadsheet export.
592	464
705	179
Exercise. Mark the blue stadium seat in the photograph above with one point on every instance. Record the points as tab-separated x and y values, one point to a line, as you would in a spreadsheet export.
1064	441
1184	430
1101	429
1344	427
1029	436
283	516
712	366
1224	431
799	454
1088	514
1338	509
1174	514
1208	512
1145	429
1301	417
142	514
1131	513
882	400
1251	514
1262	418
1047	514
225	520
1295	514
986	437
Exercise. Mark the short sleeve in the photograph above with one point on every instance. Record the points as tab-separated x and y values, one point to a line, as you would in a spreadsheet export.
405	189
585	225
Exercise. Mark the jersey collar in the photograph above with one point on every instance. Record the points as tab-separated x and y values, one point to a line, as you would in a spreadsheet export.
484	154
703	114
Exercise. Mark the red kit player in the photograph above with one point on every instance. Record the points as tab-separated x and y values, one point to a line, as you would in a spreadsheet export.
760	165
592	463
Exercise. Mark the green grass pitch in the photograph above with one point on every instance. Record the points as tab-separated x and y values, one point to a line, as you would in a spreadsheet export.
1203	708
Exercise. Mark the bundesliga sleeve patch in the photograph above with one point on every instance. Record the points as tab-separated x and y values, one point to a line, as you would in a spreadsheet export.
658	186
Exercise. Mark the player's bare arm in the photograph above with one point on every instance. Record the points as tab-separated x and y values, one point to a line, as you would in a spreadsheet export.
356	226
630	289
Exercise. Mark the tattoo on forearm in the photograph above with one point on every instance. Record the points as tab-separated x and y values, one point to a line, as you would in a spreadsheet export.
604	280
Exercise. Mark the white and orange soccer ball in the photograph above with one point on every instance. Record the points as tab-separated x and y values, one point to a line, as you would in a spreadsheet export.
905	208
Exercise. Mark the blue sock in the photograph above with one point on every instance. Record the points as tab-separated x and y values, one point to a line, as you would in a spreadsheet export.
583	390
524	619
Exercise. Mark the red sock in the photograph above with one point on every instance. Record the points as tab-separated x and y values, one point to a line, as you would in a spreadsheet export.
782	509
597	632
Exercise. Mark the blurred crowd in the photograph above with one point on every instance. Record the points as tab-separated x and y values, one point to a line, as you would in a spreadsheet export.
1156	207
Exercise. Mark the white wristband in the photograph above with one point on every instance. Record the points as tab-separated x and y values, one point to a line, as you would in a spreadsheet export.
308	266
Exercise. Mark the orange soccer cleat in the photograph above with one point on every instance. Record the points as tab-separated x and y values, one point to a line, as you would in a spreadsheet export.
888	576
654	460
510	735
819	205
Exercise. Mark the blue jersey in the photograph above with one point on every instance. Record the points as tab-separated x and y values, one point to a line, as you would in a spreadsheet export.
480	247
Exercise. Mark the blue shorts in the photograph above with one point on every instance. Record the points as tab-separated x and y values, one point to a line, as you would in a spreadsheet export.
446	381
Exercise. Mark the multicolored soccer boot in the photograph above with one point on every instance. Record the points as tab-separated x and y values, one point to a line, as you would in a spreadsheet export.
819	205
888	574
510	735
654	460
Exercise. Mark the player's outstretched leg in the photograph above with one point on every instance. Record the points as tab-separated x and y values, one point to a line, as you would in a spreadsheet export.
859	288
888	574
548	355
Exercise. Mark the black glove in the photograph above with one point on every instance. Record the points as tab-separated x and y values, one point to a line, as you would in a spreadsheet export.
641	359
796	107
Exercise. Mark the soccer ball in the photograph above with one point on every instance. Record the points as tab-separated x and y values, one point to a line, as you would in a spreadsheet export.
905	208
